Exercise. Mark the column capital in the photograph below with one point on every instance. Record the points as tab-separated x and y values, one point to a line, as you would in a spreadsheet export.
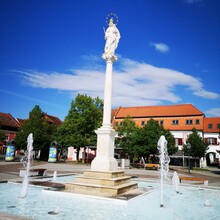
109	57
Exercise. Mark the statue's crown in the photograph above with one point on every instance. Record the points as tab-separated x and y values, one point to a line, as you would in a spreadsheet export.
111	20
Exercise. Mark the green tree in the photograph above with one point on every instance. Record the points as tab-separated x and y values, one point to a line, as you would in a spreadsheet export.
198	145
42	131
2	137
126	132
146	138
78	128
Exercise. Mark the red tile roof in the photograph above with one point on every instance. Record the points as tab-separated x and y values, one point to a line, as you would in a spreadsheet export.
20	121
214	123
8	120
158	111
53	119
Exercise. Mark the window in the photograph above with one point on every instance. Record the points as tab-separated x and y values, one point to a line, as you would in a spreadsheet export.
116	123
218	126
175	122
142	123
197	122
178	141
189	122
211	141
161	122
210	126
121	123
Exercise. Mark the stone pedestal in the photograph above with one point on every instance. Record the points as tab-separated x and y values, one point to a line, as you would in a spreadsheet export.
107	184
104	160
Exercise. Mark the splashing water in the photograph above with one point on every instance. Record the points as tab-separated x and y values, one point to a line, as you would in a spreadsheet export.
27	163
55	176
164	163
175	182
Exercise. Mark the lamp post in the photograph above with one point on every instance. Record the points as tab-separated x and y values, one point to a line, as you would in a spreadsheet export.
188	145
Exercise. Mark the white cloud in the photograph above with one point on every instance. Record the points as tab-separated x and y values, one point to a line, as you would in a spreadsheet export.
161	47
134	83
213	112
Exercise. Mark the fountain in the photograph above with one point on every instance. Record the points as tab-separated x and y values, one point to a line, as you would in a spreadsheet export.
50	204
207	203
59	204
175	182
55	176
164	163
26	160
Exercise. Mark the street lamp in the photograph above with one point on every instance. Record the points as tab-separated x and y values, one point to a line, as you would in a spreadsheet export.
188	146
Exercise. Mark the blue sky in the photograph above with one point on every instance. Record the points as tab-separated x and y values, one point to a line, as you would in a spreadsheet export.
50	50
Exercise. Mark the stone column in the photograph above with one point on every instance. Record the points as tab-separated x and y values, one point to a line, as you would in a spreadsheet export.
104	160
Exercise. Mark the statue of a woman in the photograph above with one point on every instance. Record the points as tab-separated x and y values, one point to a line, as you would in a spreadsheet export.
112	36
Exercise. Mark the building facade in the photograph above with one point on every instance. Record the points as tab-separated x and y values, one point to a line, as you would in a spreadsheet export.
180	120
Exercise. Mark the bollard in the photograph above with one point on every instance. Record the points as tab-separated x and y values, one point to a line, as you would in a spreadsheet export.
123	163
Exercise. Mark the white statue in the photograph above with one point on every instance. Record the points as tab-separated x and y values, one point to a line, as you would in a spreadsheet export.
112	36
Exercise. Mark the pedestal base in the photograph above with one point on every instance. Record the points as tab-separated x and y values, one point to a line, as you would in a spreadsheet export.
104	160
107	184
104	164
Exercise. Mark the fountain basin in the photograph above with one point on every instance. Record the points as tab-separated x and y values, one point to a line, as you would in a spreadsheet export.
188	204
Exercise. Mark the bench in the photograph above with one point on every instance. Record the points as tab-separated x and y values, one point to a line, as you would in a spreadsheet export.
152	165
192	179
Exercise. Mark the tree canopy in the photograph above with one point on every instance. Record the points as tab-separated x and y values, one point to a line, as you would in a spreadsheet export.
2	137
142	141
37	124
198	145
126	132
78	128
